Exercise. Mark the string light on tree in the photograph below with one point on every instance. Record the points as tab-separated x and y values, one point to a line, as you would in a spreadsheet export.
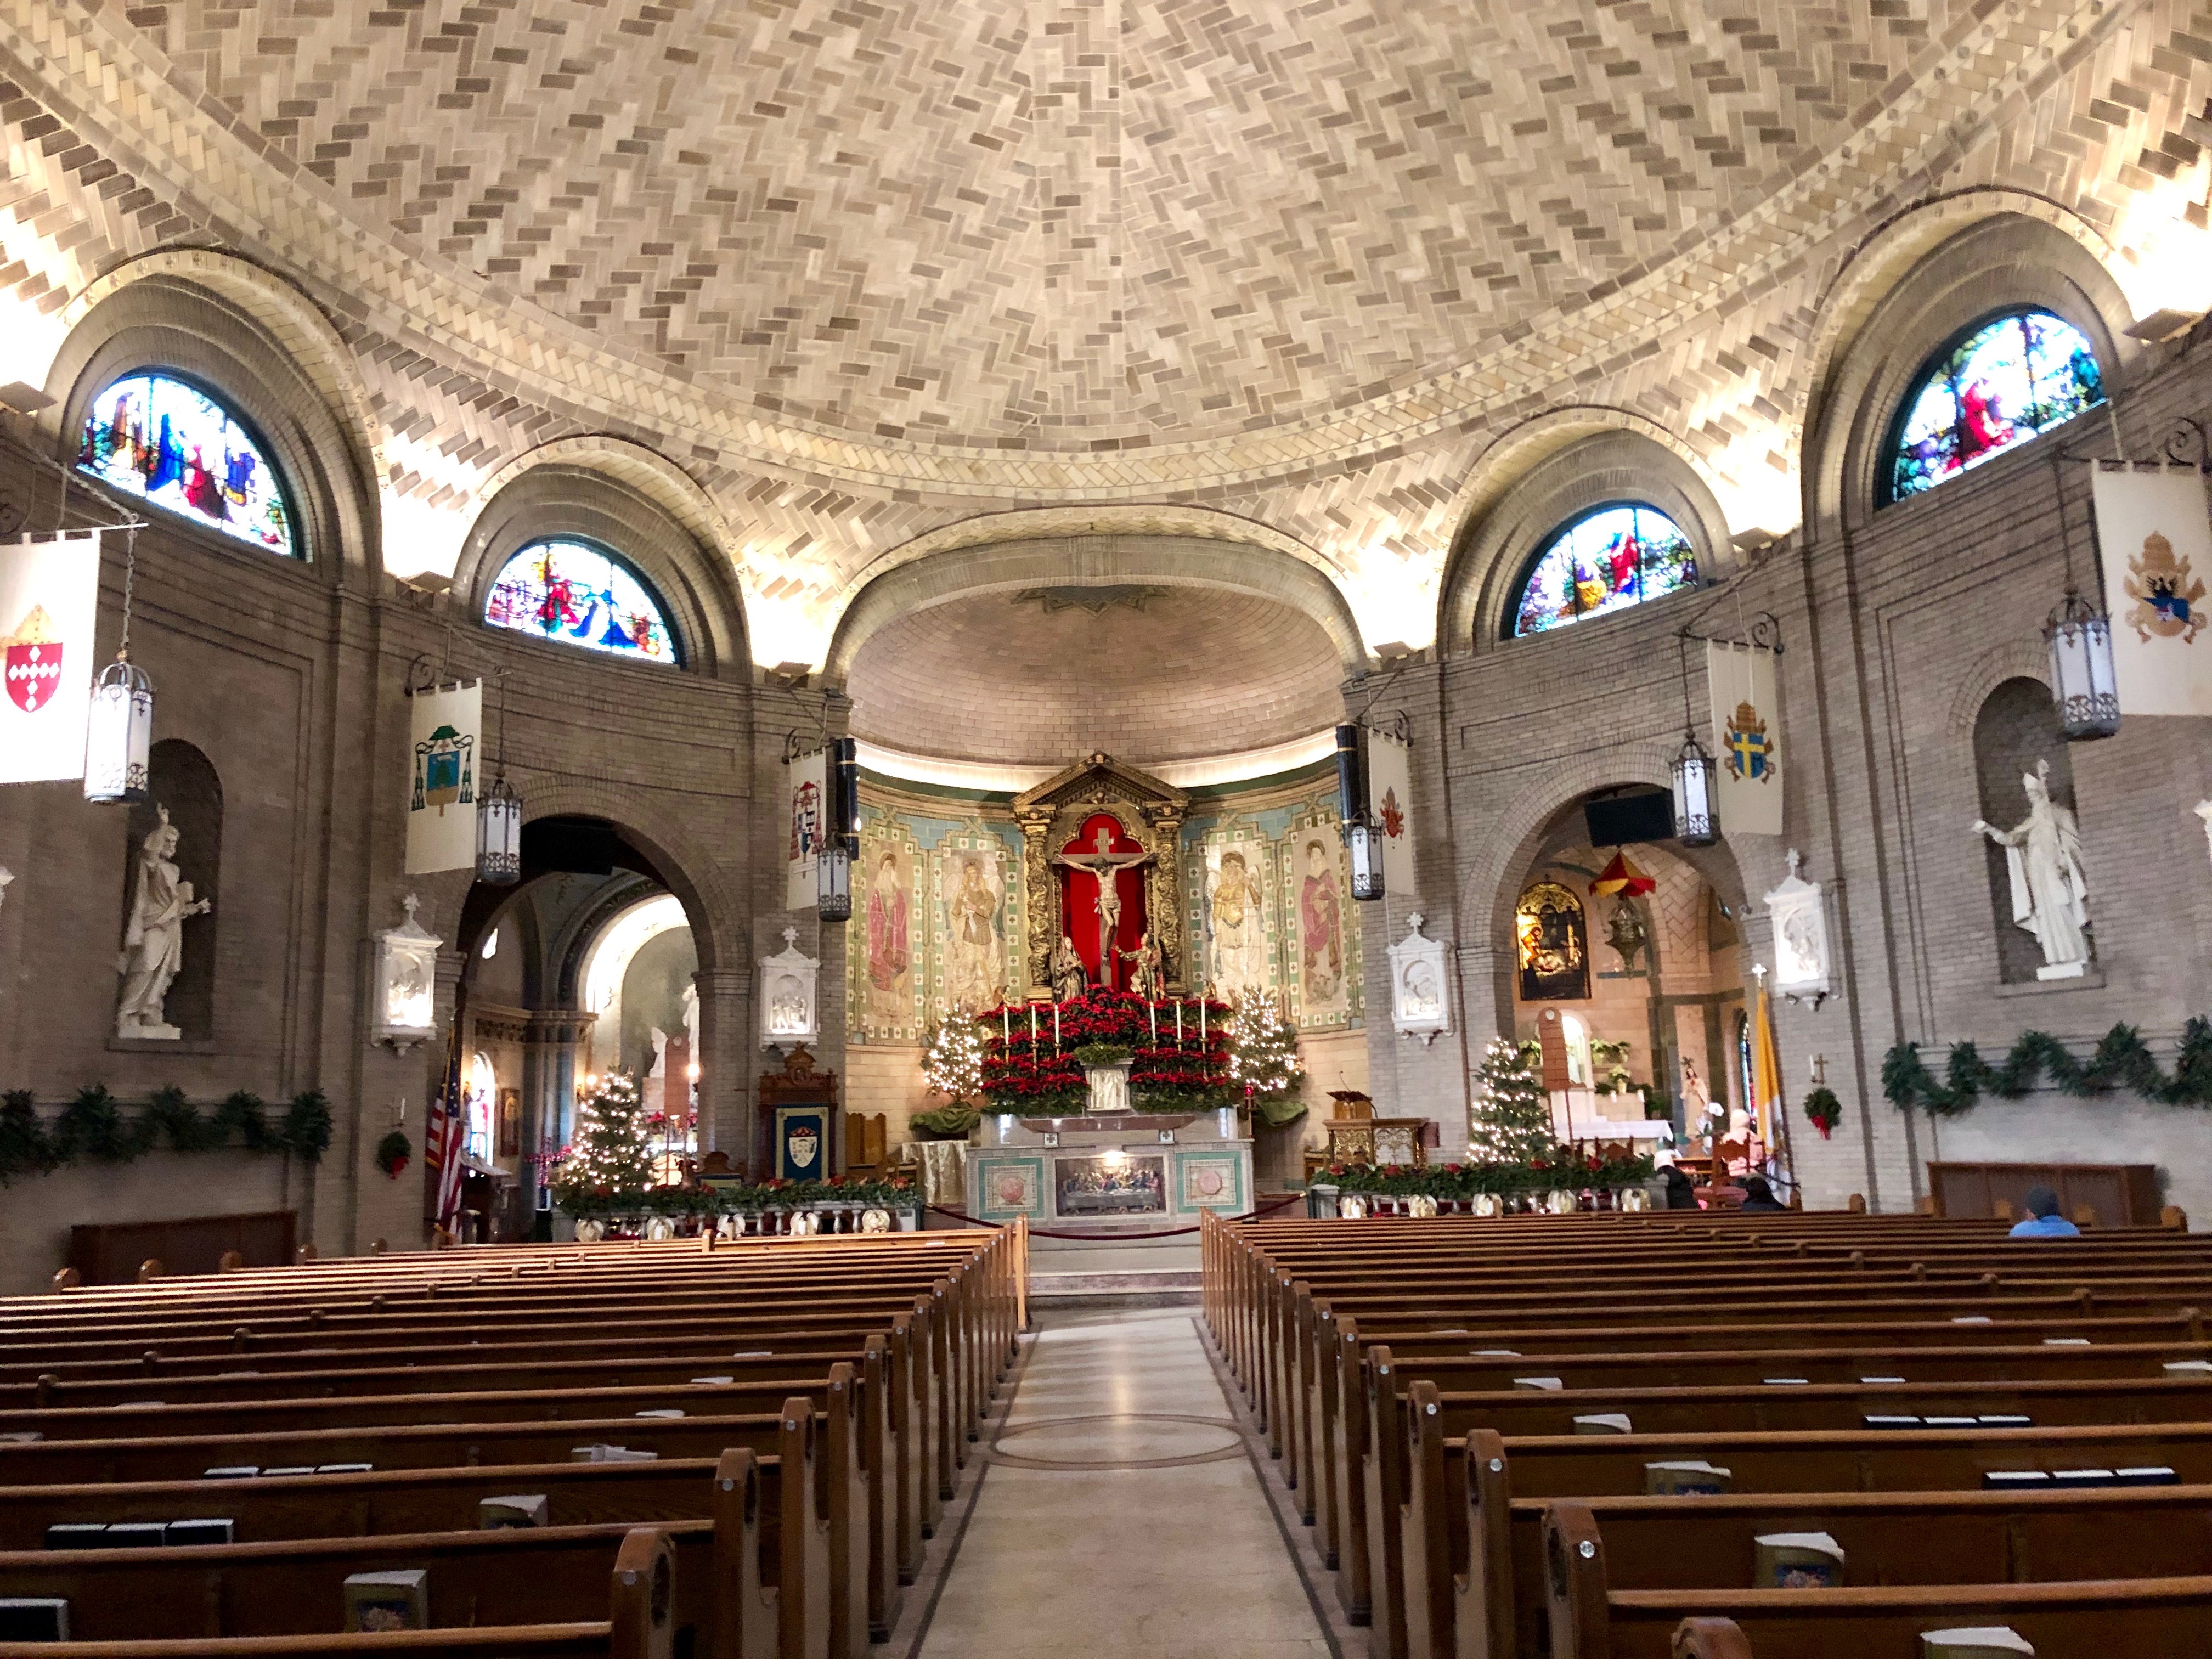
953	1065
1512	1118
613	1151
1263	1059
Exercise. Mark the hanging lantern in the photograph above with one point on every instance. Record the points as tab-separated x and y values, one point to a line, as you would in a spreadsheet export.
118	732
499	834
1693	795
1362	845
840	842
1364	848
2083	684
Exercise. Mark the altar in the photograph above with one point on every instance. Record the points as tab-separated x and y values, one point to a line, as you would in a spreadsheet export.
1109	1173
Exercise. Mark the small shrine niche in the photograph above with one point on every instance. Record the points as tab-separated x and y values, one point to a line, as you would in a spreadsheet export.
790	1012
1800	937
405	984
1419	1005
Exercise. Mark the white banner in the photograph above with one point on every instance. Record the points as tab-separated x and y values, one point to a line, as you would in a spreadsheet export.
447	733
807	810
49	605
2157	548
1390	804
1747	727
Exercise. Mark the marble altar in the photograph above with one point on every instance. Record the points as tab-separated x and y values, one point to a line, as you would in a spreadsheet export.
1109	1173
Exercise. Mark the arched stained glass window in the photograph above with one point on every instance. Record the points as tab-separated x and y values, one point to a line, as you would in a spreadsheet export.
172	445
583	595
1999	384
1601	563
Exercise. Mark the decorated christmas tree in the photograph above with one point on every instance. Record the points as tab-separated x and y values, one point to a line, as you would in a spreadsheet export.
1263	1059
952	1064
612	1151
1512	1119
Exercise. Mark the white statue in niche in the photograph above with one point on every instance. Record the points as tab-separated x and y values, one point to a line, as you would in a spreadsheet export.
2202	809
2050	895
154	938
7	880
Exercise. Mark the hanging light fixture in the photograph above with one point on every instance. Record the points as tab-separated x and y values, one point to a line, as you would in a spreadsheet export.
833	889
498	814
1694	824
2083	684
1362	846
120	729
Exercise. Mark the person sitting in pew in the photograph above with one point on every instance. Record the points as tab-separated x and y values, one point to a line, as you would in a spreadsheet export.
1758	1198
1682	1191
2042	1219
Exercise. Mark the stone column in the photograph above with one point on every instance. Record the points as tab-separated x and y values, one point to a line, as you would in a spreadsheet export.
727	1056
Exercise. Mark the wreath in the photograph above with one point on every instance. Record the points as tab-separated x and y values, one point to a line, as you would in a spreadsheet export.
393	1153
1824	1111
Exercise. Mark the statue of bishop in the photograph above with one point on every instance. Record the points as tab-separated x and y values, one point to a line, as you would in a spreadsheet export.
154	938
2050	895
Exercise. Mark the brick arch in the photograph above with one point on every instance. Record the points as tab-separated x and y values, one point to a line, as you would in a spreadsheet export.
296	320
2016	659
646	470
1104	553
1545	471
1909	286
719	921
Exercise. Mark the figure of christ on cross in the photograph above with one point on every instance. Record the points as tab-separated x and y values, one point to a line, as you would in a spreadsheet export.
1099	859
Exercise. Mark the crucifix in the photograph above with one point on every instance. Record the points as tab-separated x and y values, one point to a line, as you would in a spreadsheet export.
1100	861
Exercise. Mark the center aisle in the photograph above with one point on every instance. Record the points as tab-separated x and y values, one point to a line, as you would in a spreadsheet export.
1120	1513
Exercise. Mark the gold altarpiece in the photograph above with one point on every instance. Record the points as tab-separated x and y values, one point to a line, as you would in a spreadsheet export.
1150	814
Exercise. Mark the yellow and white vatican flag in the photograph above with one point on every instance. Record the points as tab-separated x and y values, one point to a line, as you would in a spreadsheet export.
49	606
1390	804
805	801
1765	1073
446	735
2157	548
1747	724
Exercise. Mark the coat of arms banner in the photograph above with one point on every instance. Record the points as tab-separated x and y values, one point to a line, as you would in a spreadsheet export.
805	787
2157	548
1747	731
1390	804
446	733
49	604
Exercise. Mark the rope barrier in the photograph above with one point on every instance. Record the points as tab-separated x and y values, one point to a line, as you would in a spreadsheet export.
1095	1238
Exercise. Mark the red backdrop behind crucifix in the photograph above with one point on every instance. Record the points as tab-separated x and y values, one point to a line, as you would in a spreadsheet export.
1103	844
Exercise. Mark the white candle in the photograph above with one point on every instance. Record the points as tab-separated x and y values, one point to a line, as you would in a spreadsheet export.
1201	1019
1005	1026
1056	1028
1152	1014
1033	1029
1178	1021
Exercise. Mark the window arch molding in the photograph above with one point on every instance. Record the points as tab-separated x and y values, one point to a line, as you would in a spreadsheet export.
2005	263
1483	579
169	327
562	501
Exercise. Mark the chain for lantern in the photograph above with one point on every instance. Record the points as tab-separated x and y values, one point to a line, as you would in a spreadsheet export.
119	724
499	809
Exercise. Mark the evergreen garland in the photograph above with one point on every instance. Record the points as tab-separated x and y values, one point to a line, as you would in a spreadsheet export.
93	1129
2122	1061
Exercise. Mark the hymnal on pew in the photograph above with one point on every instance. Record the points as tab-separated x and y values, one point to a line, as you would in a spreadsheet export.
133	1536
1798	1560
1549	1383
1605	1423
33	1618
505	1514
177	1534
78	1535
231	1472
1973	1642
1685	1477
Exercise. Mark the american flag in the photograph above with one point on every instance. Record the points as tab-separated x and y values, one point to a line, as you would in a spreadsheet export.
441	1153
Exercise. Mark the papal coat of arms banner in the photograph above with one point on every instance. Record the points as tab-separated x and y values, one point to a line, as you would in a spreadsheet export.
805	813
1747	731
49	605
2157	548
443	749
1390	802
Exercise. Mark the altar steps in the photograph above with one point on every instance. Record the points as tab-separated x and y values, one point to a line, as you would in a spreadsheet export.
1158	1287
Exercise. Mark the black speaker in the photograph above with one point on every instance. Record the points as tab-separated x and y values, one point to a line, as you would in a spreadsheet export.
1616	820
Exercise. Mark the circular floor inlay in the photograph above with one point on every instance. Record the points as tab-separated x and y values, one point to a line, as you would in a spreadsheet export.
1103	1427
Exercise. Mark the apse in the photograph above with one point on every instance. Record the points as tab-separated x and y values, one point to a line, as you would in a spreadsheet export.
1038	677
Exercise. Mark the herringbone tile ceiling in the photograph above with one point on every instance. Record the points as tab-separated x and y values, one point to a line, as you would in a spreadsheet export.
1074	221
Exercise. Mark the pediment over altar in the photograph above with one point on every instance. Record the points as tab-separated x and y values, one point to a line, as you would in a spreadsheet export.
1054	816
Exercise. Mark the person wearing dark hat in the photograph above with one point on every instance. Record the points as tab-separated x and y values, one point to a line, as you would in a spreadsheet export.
1758	1198
2044	1220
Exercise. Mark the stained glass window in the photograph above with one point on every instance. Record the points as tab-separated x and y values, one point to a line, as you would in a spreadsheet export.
1601	563
175	446
581	595
2000	384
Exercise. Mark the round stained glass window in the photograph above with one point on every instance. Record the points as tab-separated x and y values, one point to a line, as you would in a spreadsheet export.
1999	384
578	594
1602	563
173	446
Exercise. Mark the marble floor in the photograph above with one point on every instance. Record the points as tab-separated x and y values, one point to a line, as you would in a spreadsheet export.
1118	1510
